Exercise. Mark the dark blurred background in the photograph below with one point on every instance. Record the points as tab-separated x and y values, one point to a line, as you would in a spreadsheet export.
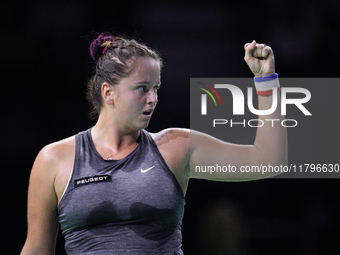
45	64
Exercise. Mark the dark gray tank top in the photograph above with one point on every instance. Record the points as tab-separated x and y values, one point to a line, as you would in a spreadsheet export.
129	206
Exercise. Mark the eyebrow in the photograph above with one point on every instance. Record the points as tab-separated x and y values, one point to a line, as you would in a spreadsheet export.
146	82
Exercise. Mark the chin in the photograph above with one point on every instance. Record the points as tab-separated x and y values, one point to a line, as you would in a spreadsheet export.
143	125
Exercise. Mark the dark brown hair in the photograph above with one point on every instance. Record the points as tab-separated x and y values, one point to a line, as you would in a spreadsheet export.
115	58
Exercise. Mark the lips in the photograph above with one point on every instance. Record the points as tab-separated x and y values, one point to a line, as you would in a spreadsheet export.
148	112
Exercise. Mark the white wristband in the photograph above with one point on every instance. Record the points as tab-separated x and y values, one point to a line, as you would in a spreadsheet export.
264	85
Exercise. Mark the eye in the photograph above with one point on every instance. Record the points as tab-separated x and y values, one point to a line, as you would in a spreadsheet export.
142	89
157	87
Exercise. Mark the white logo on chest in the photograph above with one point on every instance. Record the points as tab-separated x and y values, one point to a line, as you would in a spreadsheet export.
144	171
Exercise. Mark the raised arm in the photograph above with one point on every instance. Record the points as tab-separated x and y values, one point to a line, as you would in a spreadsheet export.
270	147
42	205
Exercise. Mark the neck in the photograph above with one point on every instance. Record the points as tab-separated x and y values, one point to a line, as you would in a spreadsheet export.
111	141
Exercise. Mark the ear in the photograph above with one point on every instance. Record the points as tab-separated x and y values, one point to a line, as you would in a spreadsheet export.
107	93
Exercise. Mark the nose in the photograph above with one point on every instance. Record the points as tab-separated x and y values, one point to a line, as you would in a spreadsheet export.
152	97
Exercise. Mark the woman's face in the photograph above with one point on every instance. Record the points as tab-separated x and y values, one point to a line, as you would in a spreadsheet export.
135	97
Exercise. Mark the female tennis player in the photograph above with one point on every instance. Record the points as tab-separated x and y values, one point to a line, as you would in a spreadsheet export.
117	189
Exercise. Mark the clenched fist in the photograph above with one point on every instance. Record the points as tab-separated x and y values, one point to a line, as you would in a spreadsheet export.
260	59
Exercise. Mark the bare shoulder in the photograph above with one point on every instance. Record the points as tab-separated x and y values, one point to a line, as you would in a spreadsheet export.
57	151
186	138
171	136
174	145
54	164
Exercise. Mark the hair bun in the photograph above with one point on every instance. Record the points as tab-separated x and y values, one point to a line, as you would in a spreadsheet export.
96	48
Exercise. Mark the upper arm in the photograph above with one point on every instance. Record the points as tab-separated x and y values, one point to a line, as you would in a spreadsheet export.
191	150
214	159
42	205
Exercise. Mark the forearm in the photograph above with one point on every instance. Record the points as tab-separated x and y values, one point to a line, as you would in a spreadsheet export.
271	138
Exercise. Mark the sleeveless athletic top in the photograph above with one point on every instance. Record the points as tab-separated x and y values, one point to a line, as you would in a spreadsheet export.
129	206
